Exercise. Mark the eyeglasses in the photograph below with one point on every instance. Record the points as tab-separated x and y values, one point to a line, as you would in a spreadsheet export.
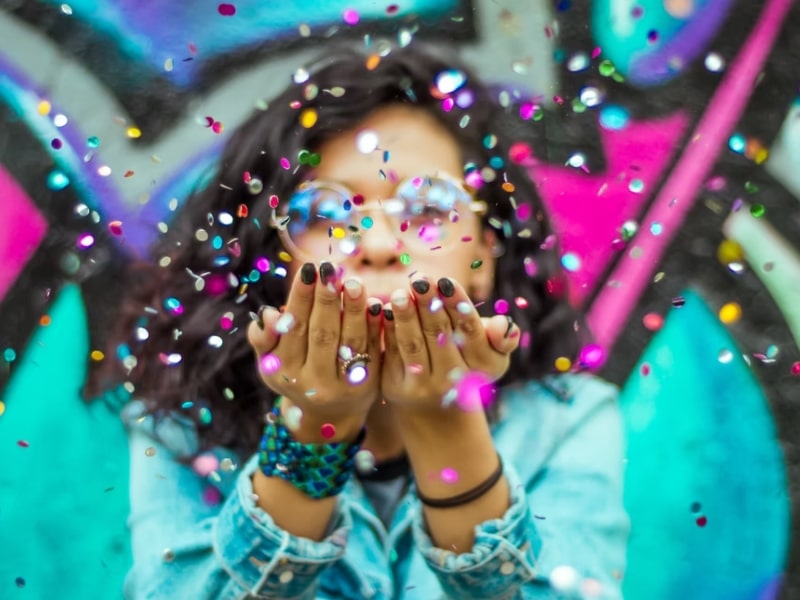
423	214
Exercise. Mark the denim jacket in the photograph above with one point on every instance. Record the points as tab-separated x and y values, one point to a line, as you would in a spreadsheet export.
564	534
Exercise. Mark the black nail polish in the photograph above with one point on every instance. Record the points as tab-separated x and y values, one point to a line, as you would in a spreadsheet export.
326	273
446	287
256	316
510	326
388	314
308	273
421	286
375	309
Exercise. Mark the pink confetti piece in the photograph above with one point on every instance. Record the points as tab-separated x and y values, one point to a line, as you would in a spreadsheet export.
448	475
226	10
115	227
351	16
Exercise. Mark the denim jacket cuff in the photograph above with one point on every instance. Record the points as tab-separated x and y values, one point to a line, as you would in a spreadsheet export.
266	560
504	548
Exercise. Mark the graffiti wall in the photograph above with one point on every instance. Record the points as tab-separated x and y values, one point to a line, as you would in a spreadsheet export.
665	139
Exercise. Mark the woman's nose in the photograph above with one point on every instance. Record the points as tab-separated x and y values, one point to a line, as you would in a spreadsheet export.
380	245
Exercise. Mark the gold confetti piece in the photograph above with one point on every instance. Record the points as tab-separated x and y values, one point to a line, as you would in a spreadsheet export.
730	313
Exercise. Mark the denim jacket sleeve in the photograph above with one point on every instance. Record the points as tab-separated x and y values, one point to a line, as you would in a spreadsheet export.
186	545
565	532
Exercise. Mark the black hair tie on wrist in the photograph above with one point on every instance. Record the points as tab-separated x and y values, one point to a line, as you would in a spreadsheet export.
468	496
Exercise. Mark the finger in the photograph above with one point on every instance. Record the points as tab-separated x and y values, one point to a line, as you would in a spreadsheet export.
374	329
436	328
354	321
502	332
261	334
392	369
410	340
293	324
470	333
324	326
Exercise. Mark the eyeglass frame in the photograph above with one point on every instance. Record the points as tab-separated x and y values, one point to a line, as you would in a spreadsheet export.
478	207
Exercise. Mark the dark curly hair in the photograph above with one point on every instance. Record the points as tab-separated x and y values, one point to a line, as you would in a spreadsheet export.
174	368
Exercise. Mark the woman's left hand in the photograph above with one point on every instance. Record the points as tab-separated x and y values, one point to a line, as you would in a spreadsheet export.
435	331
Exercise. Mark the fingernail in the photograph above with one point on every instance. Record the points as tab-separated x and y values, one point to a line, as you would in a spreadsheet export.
256	316
375	309
326	272
446	287
353	288
399	299
421	286
308	273
510	326
388	314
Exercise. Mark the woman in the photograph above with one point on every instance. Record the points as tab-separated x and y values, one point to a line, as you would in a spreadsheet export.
377	204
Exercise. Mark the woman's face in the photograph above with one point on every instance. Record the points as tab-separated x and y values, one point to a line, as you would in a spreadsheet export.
411	144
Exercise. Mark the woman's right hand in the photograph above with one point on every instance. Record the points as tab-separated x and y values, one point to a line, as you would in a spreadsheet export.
302	348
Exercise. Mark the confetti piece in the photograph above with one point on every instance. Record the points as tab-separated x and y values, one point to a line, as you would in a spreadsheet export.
115	227
730	313
308	118
365	461
226	10
701	521
795	370
367	141
255	186
501	306
23	444
351	16
449	81
85	241
97	355
563	364
328	431
653	321
730	251
173	305
592	356
564	579
205	464
474	391
57	180
269	364
449	475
